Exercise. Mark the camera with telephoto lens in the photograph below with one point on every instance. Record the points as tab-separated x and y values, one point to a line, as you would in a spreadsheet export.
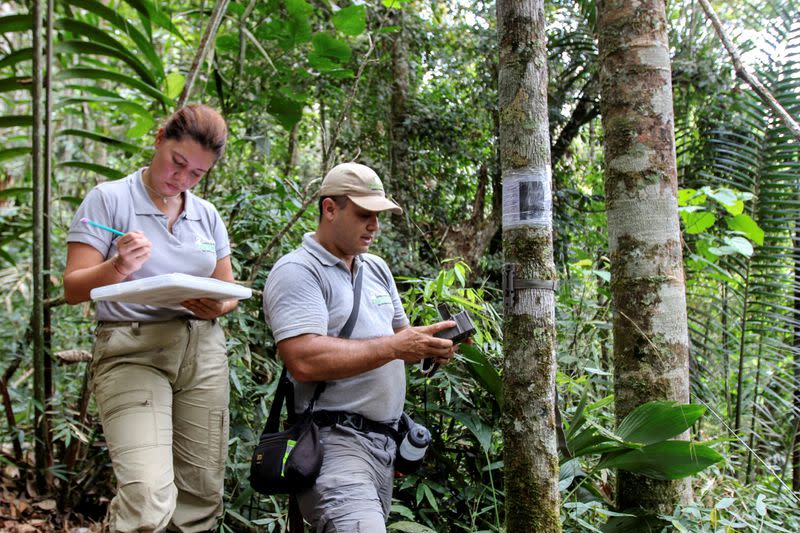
411	449
463	330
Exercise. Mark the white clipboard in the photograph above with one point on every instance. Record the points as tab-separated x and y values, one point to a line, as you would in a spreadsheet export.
169	290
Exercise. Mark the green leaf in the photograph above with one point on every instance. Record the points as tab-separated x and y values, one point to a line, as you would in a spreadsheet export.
10	121
287	111
684	195
748	226
81	28
298	25
120	22
761	506
657	421
672	459
173	84
483	371
17	56
605	275
17	83
697	222
94	136
481	430
409	527
14	23
328	53
7	154
110	173
140	127
724	503
351	20
103	74
722	195
88	48
739	245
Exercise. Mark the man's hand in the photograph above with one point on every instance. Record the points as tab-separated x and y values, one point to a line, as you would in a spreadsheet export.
415	344
207	308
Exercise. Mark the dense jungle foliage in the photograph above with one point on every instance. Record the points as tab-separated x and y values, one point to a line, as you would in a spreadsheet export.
409	88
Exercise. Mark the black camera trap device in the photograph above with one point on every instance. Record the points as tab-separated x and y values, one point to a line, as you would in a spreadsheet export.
463	330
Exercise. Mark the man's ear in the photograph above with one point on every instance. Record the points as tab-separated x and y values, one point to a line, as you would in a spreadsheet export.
328	209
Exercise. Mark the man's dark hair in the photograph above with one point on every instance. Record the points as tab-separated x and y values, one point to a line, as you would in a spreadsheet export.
341	203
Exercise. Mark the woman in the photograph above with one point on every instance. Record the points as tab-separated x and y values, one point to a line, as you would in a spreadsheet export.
160	375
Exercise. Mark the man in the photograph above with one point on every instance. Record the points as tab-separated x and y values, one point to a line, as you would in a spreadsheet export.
308	299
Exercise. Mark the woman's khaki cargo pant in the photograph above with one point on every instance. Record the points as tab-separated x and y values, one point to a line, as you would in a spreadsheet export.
162	393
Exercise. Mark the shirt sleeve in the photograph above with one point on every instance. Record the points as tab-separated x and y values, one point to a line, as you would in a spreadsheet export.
221	239
293	302
94	207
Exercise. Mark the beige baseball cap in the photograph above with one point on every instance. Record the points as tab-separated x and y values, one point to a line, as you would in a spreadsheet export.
361	185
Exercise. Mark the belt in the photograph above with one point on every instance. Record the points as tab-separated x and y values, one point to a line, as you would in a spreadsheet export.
354	421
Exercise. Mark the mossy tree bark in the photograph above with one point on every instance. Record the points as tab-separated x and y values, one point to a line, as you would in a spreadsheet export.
531	461
649	325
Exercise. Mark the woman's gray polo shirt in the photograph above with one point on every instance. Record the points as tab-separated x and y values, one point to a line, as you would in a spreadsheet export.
311	291
198	239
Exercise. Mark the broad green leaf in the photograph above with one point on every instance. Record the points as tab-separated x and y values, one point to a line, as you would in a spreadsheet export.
761	506
173	84
657	421
140	127
299	25
724	196
102	74
15	192
14	23
605	275
697	222
351	20
94	136
110	173
748	226
684	195
329	48
288	112
483	371
672	459
8	154
740	245
153	11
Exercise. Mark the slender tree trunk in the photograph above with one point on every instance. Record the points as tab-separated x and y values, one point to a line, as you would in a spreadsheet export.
47	201
206	43
37	297
398	135
531	461
796	439
292	151
651	343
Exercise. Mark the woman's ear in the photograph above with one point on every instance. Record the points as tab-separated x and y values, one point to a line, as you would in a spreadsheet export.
159	137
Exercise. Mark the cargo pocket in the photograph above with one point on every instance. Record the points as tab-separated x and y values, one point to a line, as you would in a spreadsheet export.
218	424
128	418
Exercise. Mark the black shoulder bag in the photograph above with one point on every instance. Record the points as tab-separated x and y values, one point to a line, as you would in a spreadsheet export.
289	461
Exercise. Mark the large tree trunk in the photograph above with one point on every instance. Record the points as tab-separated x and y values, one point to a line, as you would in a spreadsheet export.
651	343
531	461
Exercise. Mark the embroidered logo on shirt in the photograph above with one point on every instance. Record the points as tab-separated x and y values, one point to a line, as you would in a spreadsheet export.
205	245
381	299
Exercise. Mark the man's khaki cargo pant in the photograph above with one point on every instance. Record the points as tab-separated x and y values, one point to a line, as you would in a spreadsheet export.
162	393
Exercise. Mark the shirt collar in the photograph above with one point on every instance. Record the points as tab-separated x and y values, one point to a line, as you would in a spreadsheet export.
143	204
322	255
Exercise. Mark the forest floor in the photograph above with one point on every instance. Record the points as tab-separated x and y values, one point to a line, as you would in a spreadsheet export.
24	510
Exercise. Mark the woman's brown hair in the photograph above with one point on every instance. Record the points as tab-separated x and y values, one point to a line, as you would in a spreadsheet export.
202	124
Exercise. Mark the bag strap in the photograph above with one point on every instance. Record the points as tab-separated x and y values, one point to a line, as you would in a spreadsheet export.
285	390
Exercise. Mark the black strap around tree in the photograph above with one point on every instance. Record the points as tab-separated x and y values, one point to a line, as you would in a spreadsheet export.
285	390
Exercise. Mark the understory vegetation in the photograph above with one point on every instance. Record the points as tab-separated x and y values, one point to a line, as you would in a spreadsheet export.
409	88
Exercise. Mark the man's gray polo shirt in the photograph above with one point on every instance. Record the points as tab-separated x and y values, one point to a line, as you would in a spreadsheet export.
198	239
311	291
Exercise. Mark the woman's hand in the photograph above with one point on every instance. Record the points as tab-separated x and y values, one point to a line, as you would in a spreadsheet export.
207	308
133	249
